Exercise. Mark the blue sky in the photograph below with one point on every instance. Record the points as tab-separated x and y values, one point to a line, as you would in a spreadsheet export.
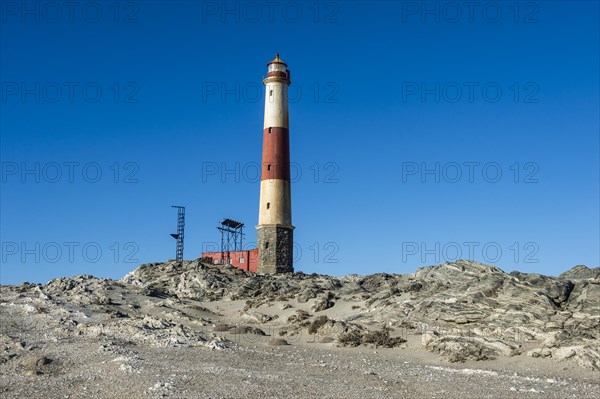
419	132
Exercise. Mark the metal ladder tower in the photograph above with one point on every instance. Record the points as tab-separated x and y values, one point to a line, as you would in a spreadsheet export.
179	235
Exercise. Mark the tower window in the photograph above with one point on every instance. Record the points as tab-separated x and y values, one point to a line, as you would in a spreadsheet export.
269	167
270	92
268	205
270	130
266	244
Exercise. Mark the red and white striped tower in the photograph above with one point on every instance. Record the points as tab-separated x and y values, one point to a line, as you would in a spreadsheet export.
275	230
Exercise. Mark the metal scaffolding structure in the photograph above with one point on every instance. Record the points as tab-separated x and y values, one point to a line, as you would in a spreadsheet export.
179	235
232	236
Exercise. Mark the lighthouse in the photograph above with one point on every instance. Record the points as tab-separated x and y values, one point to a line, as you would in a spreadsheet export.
275	230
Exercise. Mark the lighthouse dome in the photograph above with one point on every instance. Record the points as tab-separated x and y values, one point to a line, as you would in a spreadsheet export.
277	65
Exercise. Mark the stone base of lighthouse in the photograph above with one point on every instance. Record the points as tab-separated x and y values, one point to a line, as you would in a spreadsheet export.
275	249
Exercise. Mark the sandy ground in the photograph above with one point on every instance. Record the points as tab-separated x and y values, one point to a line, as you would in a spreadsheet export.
302	370
104	367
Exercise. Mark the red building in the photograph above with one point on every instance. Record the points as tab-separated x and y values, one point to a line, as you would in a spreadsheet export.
245	260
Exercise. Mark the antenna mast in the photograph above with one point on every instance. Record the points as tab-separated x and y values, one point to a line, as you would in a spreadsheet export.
179	235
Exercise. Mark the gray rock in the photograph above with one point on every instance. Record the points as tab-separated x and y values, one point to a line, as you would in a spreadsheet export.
464	310
323	302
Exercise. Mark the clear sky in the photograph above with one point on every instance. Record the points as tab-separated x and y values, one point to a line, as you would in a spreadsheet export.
420	132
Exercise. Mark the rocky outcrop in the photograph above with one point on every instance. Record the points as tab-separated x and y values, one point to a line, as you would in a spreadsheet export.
463	310
581	272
